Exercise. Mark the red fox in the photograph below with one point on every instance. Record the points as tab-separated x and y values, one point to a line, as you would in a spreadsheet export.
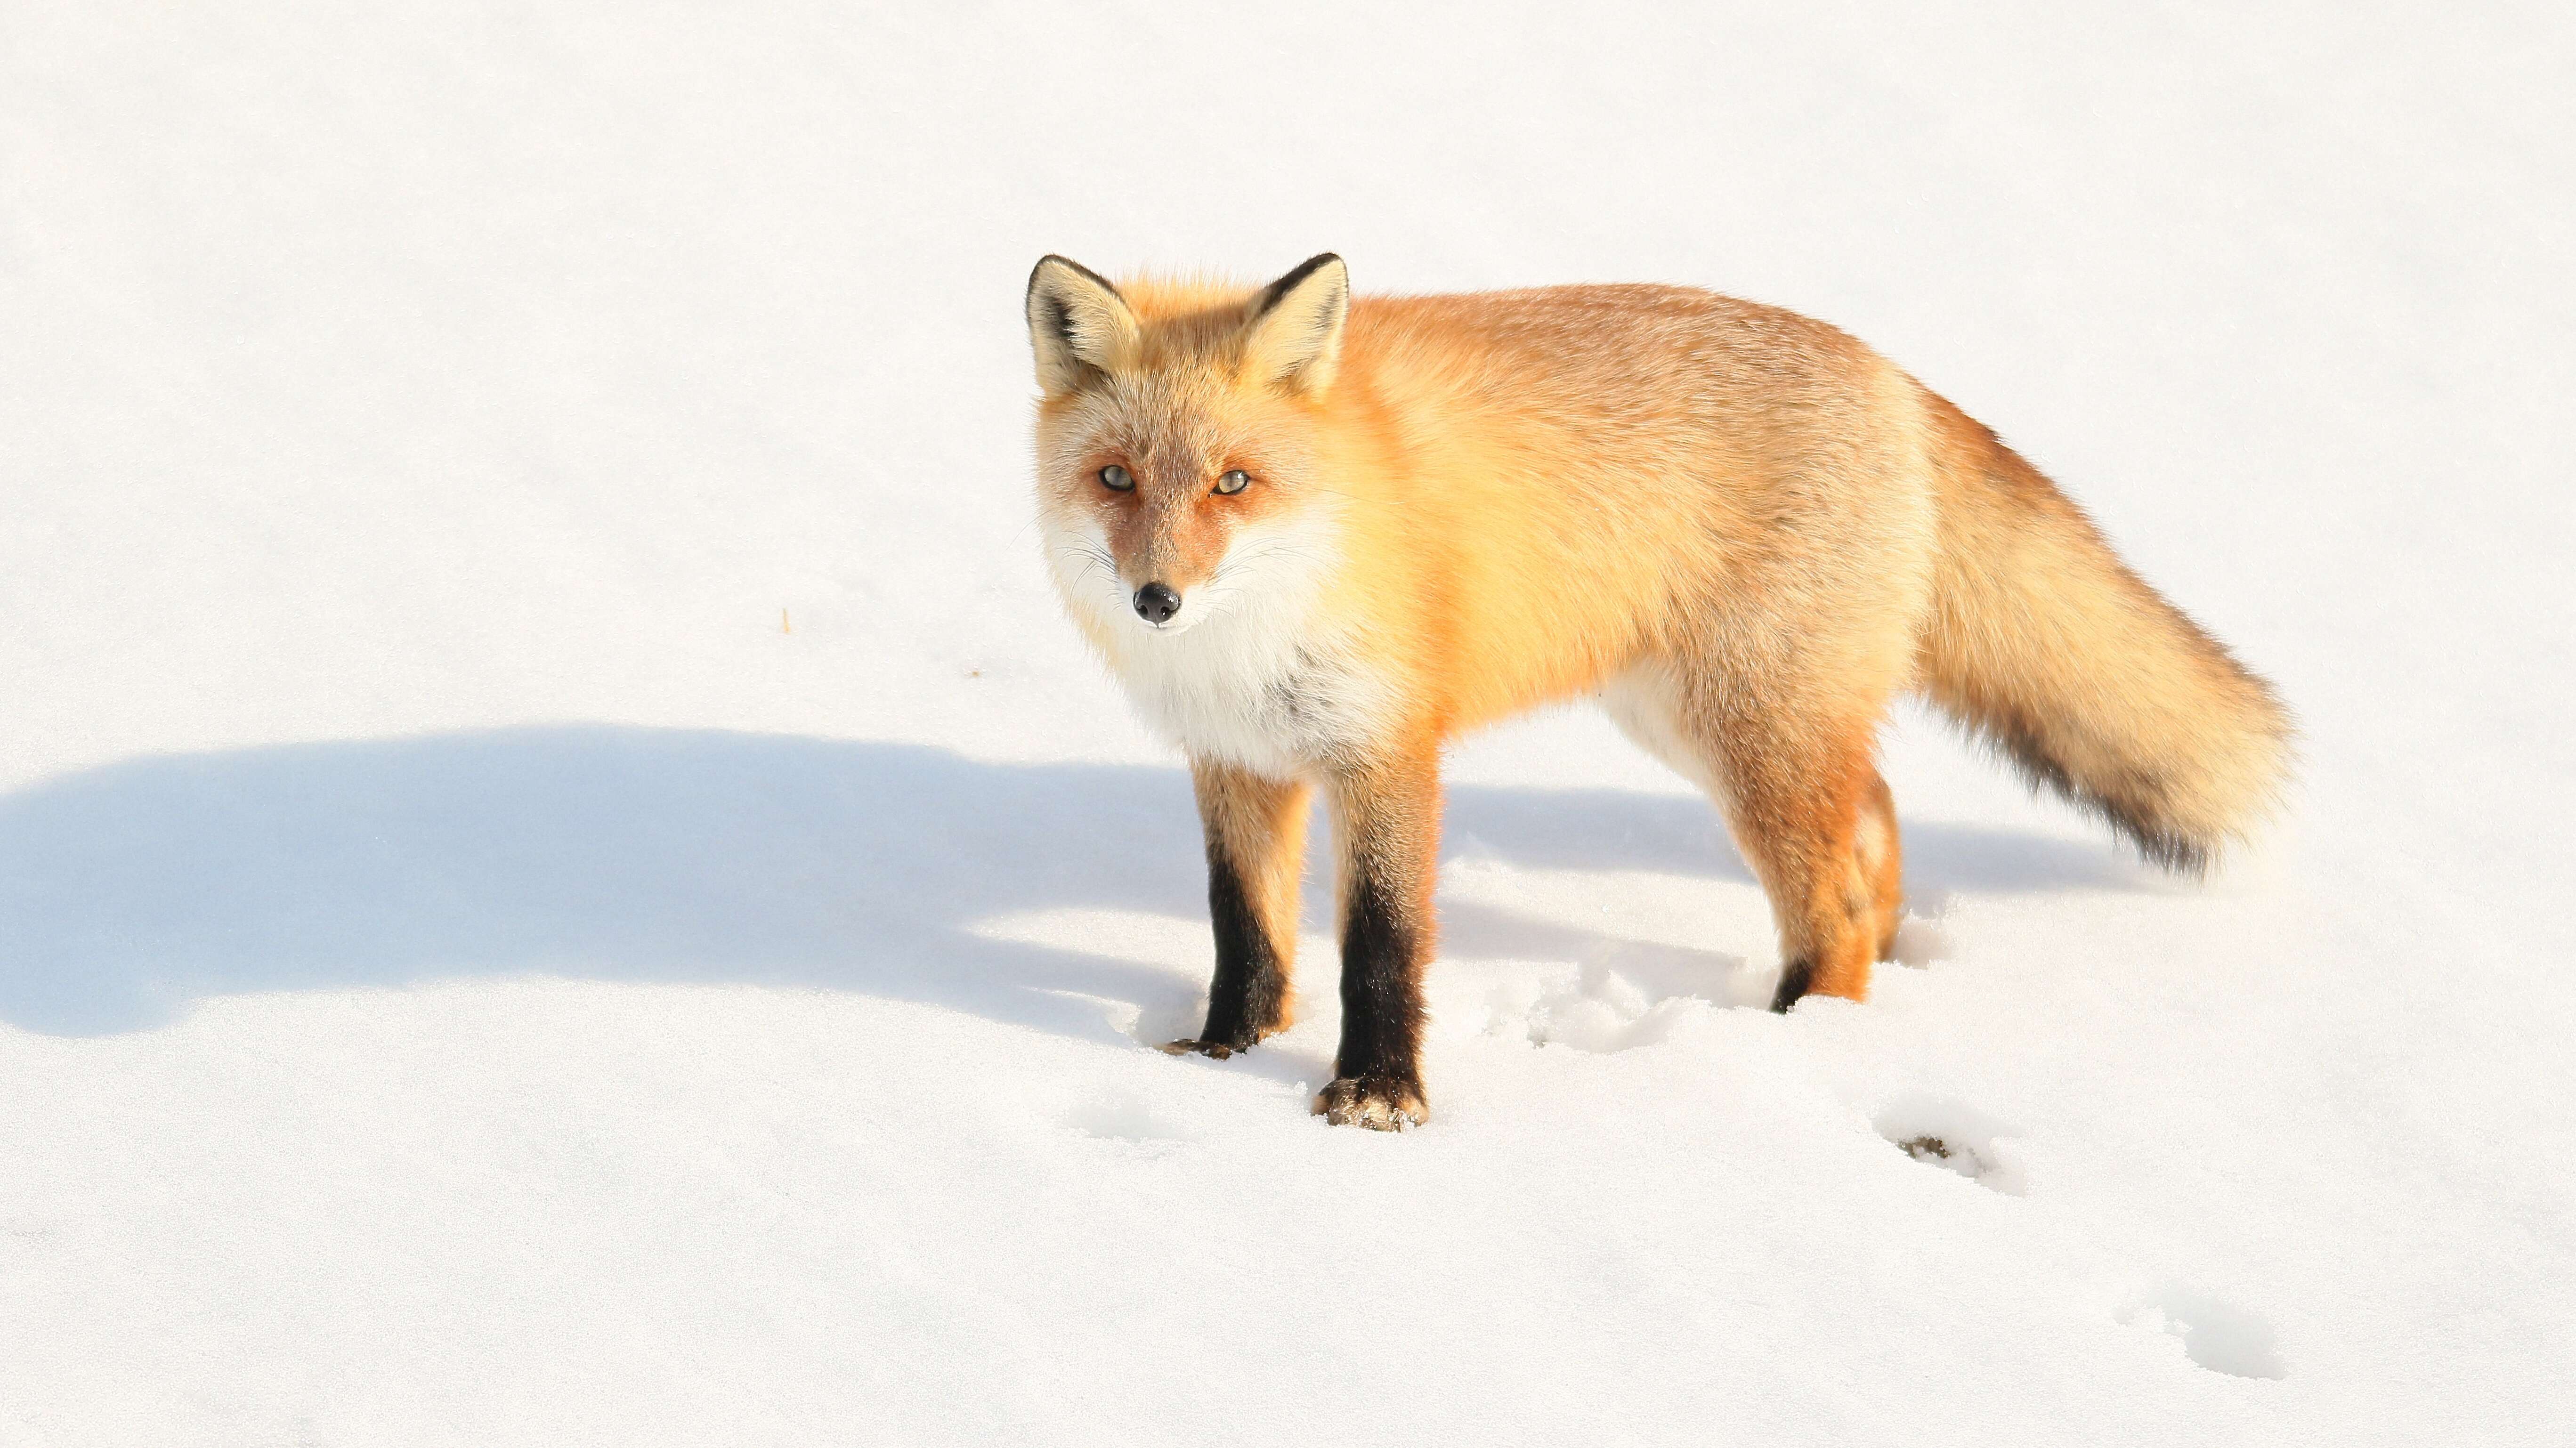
1317	537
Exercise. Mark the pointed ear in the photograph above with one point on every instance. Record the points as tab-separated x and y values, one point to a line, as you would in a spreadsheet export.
1294	335
1078	324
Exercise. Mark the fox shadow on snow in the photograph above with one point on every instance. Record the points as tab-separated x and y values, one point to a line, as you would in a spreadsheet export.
129	891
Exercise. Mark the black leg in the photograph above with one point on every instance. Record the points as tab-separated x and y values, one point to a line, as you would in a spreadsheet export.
1256	846
1386	813
1795	977
1382	955
1248	998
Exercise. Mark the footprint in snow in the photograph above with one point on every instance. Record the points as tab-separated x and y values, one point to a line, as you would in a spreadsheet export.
2215	1335
1602	1009
1128	1117
1921	942
1955	1136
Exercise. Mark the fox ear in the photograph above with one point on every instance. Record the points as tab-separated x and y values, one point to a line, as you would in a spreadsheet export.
1294	335
1078	324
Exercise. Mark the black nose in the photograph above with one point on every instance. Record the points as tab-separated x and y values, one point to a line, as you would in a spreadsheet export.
1156	602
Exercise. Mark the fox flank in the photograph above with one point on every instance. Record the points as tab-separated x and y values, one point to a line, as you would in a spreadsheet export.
1317	537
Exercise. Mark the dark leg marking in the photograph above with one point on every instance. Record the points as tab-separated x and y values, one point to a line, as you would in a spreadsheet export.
1248	997
1795	976
1381	988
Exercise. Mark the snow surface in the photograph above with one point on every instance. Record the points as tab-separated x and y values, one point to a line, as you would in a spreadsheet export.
562	882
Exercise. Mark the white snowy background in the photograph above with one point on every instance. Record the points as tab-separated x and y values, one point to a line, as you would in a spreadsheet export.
563	882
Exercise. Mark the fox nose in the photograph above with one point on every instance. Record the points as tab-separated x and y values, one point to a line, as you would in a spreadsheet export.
1156	602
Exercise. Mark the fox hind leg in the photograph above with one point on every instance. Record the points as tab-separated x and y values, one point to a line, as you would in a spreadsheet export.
1806	804
1798	798
1881	858
1793	771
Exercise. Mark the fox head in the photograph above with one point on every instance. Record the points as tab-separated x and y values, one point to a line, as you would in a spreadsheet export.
1179	441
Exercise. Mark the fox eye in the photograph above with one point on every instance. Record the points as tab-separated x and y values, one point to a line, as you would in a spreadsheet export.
1235	480
1117	479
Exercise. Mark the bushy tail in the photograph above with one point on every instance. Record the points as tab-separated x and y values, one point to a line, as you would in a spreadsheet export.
2043	644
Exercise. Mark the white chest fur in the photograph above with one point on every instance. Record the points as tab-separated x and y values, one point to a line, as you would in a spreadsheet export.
1273	705
1251	671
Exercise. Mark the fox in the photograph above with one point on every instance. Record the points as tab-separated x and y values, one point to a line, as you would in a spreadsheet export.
1317	538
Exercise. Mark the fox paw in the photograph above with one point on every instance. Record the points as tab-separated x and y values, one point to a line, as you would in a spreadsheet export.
1214	1050
1380	1103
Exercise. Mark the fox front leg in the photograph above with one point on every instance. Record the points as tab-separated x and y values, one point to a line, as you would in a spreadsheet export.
1256	848
1386	820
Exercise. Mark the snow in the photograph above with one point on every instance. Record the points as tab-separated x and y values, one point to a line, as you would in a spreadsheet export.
562	881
